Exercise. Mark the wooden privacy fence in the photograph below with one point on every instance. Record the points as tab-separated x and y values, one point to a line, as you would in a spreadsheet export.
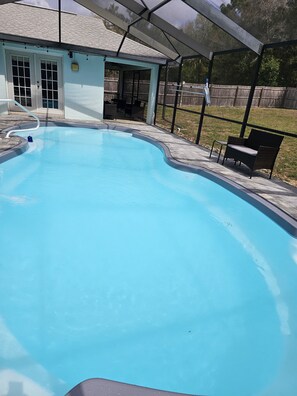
221	95
232	95
111	89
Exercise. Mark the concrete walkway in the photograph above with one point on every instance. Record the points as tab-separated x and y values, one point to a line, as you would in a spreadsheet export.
278	193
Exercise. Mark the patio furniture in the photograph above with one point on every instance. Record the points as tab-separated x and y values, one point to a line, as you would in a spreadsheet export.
136	110
110	110
221	143
258	151
121	104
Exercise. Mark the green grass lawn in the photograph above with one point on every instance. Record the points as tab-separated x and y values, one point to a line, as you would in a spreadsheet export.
281	119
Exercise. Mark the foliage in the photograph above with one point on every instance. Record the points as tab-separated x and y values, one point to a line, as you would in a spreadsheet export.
269	21
209	35
234	68
266	20
269	72
288	65
195	70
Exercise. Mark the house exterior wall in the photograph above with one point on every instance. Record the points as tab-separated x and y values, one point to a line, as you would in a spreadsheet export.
82	91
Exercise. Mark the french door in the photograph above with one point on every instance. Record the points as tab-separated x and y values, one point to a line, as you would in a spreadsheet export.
35	81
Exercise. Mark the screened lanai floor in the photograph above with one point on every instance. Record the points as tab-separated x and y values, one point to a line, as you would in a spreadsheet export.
274	192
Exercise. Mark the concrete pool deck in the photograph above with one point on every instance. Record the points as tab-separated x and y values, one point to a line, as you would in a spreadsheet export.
281	195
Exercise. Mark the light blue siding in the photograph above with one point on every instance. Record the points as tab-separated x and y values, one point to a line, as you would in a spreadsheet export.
84	89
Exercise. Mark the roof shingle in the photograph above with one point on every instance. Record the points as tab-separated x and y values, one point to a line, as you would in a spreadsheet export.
83	31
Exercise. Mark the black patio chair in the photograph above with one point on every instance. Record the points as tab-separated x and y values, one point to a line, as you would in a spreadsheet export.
258	151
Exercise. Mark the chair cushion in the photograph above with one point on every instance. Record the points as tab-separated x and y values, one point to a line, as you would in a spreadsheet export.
244	149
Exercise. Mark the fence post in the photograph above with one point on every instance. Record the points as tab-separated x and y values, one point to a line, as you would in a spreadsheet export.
260	96
284	98
252	91
235	96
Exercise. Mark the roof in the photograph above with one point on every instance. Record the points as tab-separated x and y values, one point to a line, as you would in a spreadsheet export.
19	22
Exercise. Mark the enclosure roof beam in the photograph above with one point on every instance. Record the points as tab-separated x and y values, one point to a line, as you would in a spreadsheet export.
7	1
130	29
214	15
166	27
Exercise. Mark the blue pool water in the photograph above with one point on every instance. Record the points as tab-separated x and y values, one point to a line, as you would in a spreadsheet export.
115	265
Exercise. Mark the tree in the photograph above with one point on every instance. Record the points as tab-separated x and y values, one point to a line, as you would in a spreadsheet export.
291	19
266	20
209	35
269	73
195	70
269	21
287	58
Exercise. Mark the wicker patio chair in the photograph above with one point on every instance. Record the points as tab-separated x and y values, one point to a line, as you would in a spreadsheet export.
258	151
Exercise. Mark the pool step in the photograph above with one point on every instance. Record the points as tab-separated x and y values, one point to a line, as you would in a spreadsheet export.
103	387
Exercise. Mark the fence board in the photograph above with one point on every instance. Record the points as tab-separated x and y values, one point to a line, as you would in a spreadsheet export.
221	95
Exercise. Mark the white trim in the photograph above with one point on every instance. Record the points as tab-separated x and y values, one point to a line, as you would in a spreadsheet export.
35	59
40	109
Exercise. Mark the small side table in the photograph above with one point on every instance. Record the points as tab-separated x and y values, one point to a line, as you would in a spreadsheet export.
221	143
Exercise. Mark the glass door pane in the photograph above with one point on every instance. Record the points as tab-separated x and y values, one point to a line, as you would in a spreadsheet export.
49	84
21	79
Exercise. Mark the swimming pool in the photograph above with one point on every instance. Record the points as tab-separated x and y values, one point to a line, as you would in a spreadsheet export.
115	265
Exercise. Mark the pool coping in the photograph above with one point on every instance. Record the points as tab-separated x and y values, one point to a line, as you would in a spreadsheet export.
19	148
283	219
277	215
